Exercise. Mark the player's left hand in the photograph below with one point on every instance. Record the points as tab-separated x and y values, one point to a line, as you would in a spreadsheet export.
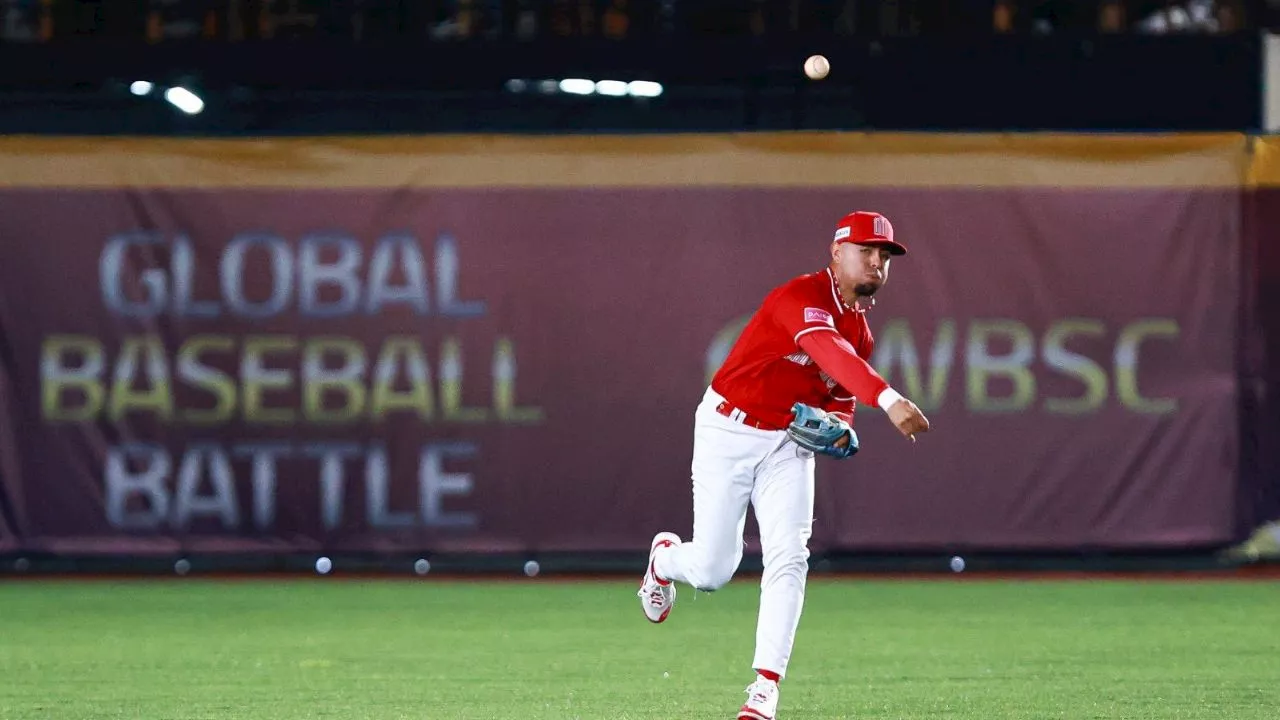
822	432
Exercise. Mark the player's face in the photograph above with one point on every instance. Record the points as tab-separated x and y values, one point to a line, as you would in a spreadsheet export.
860	269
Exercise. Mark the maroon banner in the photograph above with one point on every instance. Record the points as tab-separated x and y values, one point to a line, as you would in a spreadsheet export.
1260	482
517	370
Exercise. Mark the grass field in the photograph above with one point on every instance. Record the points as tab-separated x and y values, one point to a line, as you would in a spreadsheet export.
386	650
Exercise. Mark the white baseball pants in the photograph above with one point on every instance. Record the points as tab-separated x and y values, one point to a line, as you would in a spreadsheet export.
733	465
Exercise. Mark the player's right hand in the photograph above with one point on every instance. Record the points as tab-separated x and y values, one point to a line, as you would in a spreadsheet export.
907	418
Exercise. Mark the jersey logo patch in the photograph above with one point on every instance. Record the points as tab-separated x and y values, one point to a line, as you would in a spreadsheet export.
818	315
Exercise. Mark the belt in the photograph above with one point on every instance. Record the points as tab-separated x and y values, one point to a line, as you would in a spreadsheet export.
738	416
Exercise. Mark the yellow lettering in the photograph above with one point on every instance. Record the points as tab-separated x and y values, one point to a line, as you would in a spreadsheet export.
257	378
345	380
1087	371
451	385
1127	349
418	398
896	347
1014	366
504	386
57	377
145	354
219	384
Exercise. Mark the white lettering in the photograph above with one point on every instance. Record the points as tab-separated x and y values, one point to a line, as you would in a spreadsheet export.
190	503
123	484
435	484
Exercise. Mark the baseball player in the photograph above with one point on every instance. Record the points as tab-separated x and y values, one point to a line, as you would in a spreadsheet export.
787	391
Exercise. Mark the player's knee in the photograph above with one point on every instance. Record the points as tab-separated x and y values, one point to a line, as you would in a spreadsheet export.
711	573
714	580
792	560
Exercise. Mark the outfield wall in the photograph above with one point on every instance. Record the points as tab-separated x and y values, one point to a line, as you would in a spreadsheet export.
495	344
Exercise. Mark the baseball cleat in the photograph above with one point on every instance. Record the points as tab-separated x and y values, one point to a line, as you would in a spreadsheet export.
762	700
657	596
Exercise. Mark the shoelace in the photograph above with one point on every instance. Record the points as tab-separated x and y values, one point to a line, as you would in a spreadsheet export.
758	694
656	598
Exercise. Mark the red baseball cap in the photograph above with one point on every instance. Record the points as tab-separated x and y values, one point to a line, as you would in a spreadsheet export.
868	228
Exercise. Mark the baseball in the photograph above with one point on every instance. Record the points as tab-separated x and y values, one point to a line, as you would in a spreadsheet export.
816	67
324	565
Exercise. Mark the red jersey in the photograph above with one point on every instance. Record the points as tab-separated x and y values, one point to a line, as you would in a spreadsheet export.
766	372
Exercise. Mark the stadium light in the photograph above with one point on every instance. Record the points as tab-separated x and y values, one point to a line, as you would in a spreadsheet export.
185	100
141	87
612	88
644	88
577	86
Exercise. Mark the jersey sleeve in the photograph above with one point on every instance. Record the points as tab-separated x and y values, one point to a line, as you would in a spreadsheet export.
841	398
836	357
840	394
867	347
799	314
844	405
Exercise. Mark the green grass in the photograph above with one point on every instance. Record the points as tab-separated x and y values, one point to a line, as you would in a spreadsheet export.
428	650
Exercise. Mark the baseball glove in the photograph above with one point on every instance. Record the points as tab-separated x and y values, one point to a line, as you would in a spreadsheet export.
819	431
